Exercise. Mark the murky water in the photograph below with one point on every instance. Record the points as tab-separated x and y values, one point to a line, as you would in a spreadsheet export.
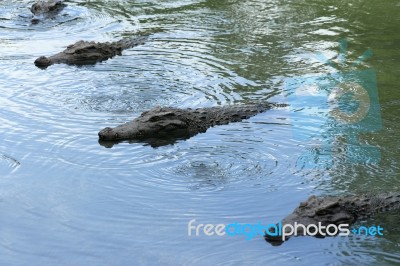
66	200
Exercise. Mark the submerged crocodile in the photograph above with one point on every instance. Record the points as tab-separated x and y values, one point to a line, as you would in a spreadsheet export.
161	126
87	53
46	9
334	210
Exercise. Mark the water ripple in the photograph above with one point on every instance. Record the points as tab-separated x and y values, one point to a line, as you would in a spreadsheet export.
73	201
8	164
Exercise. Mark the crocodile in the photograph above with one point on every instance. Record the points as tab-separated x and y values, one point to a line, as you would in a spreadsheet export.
165	125
46	9
333	210
88	53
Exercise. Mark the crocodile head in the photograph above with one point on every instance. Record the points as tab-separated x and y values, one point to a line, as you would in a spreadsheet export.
325	210
156	123
44	9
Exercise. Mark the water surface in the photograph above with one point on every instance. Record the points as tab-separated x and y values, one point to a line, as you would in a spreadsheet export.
66	200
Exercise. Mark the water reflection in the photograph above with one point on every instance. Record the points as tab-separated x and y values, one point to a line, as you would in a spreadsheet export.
72	201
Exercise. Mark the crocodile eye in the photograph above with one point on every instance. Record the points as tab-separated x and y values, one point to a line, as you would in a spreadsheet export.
116	135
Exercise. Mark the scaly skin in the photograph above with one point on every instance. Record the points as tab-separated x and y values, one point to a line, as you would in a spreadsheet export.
338	210
175	123
46	9
87	53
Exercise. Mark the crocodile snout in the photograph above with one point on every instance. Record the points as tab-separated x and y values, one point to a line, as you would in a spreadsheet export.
106	133
42	62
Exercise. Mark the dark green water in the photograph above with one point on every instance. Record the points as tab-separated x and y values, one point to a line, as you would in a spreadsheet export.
66	200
